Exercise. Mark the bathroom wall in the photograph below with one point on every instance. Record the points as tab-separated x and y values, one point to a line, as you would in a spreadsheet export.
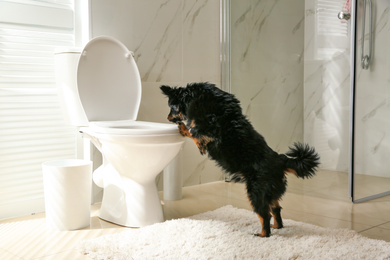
327	83
175	42
267	67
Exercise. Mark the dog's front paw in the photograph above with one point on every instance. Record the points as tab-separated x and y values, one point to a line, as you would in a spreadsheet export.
183	130
202	148
201	145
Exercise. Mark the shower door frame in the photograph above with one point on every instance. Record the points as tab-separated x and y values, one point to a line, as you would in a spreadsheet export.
354	58
225	44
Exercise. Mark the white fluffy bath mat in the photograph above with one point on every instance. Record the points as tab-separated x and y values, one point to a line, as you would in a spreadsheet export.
227	233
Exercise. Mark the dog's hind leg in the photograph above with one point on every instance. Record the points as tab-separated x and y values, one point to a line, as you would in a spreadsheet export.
275	211
261	206
265	218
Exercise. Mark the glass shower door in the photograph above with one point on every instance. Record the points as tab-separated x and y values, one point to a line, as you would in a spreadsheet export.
370	164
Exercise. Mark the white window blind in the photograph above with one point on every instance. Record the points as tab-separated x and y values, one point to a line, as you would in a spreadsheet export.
32	129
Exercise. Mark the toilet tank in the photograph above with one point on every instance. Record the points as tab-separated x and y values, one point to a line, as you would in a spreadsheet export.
66	62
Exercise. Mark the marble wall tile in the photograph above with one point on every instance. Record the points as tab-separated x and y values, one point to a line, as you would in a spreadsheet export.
175	42
267	67
201	50
151	29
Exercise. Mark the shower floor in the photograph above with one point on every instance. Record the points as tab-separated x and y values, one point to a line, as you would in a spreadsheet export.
334	184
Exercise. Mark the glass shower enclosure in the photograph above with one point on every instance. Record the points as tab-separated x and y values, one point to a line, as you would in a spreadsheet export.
289	62
370	100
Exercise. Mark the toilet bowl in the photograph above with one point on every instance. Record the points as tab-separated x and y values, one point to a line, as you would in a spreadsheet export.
104	104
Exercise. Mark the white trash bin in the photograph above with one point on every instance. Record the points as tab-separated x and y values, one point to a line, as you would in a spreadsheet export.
67	187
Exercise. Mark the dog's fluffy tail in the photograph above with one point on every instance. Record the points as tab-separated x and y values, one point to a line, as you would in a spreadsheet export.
303	160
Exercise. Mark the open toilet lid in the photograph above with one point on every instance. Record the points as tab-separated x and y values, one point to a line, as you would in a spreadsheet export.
108	81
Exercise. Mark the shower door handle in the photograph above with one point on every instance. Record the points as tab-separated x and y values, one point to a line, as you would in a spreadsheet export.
366	58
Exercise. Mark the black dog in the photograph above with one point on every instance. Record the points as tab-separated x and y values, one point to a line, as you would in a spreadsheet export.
214	120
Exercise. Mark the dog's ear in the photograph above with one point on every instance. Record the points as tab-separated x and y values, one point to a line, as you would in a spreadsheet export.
166	90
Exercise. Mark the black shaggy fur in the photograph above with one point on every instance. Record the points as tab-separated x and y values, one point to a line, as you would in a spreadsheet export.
214	120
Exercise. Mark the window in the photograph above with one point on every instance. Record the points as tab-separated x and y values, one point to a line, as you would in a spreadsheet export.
32	129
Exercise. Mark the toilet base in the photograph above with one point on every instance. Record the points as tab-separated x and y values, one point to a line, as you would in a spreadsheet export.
131	204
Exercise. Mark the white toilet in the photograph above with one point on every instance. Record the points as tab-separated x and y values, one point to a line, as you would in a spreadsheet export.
134	152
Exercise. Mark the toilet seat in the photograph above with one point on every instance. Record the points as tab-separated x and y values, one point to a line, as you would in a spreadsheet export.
109	87
131	127
108	81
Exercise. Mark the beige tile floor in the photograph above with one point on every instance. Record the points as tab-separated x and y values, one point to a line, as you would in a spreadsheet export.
322	201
